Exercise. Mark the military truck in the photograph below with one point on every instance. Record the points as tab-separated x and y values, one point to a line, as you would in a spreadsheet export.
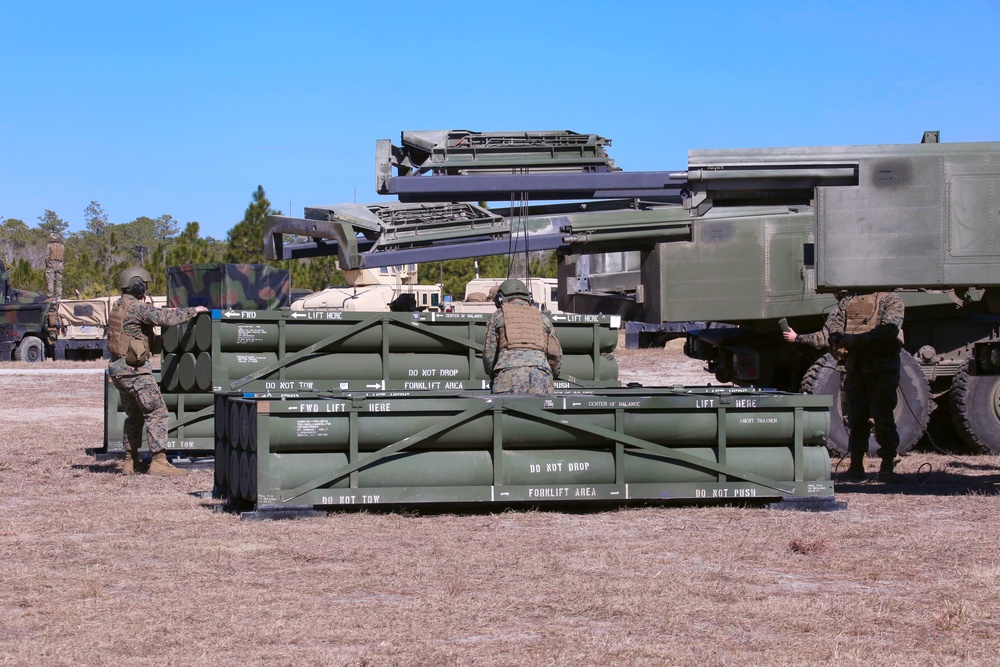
479	295
27	325
376	290
744	237
82	326
34	328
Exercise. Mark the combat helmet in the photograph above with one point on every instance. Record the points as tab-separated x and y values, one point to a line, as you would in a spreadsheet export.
133	275
512	288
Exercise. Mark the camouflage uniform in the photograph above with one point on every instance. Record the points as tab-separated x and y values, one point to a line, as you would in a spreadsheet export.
871	366
139	393
55	253
520	371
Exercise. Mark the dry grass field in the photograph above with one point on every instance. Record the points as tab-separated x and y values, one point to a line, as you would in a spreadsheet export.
100	569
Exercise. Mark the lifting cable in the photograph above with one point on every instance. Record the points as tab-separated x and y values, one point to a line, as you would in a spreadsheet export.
519	211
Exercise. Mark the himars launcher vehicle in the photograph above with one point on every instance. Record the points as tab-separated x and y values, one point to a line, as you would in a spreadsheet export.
745	237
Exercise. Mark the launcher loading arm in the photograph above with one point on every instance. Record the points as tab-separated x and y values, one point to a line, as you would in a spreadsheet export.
408	233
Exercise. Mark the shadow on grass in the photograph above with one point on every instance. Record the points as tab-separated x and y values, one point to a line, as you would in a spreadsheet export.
247	511
941	482
103	467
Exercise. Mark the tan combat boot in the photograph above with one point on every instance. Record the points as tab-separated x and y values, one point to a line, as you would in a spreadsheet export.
160	467
132	465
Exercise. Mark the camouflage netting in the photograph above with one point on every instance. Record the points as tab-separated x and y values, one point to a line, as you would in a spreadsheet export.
243	286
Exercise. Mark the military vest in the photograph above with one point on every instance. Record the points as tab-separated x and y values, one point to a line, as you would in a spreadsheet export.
57	251
862	314
860	317
121	344
523	329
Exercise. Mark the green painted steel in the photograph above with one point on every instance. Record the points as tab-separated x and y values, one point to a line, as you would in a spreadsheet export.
435	447
292	352
169	381
742	236
527	467
914	215
186	362
452	332
464	151
203	372
661	420
410	352
413	370
192	336
186	372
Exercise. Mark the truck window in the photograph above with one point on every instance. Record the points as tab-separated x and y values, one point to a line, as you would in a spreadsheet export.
83	310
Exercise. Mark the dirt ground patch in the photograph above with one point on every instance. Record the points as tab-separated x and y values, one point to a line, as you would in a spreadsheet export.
101	569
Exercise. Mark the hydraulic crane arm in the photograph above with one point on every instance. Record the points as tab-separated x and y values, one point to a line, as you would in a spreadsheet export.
897	215
411	233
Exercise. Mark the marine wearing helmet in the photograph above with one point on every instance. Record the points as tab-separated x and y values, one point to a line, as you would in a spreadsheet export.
521	353
135	280
510	289
130	336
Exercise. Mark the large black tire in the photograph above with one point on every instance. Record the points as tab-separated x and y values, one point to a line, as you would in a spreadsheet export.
31	350
975	409
913	405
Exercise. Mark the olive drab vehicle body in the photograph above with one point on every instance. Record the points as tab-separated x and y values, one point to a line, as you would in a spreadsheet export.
743	237
27	326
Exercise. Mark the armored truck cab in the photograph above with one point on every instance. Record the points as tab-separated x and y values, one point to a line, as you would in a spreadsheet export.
918	218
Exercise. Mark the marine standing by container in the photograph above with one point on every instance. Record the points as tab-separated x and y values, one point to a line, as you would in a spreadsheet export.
55	253
521	353
863	333
130	334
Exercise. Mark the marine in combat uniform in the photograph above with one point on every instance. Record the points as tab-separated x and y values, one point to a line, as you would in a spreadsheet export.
864	334
55	253
521	353
130	332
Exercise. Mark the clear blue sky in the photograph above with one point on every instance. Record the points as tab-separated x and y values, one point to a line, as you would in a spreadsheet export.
184	108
